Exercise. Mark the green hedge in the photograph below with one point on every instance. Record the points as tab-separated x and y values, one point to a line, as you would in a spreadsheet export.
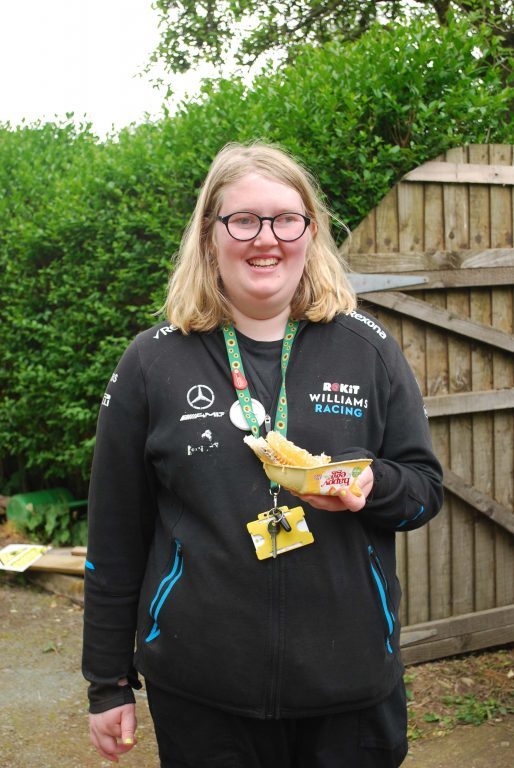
88	228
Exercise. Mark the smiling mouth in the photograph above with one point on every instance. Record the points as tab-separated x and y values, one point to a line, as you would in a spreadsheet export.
263	262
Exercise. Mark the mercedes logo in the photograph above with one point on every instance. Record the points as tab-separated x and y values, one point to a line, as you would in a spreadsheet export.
200	396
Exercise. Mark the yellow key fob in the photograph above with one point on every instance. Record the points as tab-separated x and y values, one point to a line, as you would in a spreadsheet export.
298	536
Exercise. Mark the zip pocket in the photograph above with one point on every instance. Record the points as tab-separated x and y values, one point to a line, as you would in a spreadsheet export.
383	590
163	591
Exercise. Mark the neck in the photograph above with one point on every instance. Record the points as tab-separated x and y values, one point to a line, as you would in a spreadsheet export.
261	328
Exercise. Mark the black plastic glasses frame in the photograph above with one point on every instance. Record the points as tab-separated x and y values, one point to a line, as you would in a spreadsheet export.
225	220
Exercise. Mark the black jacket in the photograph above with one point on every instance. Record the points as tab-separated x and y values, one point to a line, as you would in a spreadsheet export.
173	486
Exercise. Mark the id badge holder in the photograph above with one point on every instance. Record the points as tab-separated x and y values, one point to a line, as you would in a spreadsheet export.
298	536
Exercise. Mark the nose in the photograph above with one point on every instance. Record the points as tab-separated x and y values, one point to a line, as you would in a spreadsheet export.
266	235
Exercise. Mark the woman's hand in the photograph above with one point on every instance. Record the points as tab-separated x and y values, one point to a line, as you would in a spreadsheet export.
345	501
112	732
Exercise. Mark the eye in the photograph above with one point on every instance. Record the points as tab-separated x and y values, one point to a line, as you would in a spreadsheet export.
286	219
243	220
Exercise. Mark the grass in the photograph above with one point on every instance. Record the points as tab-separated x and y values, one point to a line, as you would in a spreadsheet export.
464	690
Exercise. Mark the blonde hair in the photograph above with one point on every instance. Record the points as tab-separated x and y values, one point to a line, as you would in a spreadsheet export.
195	300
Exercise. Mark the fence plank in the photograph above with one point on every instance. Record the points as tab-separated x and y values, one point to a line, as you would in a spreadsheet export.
457	634
418	562
503	429
387	235
410	217
434	230
460	173
411	223
421	261
456	221
439	529
502	231
471	402
461	278
478	500
362	239
450	320
482	379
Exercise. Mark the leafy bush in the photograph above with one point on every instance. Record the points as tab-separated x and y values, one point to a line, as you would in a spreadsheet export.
362	114
57	525
88	228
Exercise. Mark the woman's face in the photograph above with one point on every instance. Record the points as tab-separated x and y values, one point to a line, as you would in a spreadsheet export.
260	276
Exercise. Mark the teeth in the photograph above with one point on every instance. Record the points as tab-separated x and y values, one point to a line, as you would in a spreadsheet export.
263	262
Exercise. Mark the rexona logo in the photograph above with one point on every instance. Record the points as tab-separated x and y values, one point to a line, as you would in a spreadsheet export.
164	331
370	323
340	399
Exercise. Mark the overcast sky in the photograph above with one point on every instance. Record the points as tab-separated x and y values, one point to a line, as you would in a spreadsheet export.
81	56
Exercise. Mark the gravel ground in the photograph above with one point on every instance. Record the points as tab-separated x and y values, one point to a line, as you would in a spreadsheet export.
43	718
43	714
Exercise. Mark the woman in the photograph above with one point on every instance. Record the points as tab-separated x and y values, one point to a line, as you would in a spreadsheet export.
291	660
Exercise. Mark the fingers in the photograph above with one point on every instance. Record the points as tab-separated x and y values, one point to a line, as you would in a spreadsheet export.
106	746
128	727
328	503
352	499
112	732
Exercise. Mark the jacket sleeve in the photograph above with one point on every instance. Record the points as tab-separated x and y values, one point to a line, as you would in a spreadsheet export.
407	490
121	513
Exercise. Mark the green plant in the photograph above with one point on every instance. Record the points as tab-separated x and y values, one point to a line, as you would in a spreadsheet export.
469	709
57	524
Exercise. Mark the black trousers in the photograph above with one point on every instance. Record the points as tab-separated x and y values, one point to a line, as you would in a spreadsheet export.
190	735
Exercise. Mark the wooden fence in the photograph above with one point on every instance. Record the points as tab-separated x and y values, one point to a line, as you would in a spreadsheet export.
452	221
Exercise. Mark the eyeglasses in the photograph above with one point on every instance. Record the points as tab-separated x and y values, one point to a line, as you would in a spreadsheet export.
244	225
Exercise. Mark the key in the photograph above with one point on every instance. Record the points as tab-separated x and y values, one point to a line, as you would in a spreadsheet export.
280	518
272	528
284	523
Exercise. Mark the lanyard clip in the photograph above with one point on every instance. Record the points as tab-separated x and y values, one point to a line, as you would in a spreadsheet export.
276	513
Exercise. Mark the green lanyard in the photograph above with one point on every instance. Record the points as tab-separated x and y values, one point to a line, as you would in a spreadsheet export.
241	384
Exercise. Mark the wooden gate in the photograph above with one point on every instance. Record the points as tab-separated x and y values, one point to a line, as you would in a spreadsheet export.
452	221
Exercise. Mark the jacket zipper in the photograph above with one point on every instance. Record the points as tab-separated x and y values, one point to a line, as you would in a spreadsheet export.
383	591
275	633
272	698
163	590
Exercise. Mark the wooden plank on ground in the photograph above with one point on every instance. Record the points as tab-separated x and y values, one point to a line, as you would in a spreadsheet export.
62	584
461	173
457	634
448	319
480	501
470	402
61	561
